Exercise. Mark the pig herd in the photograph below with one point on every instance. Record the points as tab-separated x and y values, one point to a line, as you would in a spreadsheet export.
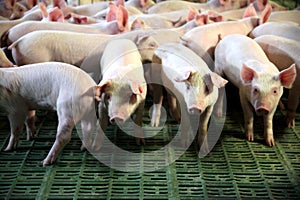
74	58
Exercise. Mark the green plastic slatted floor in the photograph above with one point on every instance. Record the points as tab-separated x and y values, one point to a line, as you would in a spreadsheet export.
235	169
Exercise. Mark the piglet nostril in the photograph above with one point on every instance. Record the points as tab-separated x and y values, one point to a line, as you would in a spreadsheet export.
112	120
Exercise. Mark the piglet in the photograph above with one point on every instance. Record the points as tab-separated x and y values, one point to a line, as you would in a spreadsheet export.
122	90
187	76
11	9
284	29
113	27
51	85
284	52
207	37
260	84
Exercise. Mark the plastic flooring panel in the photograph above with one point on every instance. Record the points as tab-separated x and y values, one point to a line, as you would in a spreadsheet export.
234	169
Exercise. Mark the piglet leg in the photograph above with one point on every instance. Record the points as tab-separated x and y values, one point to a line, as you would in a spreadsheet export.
63	136
30	124
202	131
248	117
138	120
268	125
16	121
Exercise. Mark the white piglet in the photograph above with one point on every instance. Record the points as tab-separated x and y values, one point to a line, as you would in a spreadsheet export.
188	77
51	85
243	62
283	52
122	90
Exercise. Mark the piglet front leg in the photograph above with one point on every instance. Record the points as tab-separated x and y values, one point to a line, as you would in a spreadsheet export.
248	117
64	132
268	132
202	131
140	137
16	121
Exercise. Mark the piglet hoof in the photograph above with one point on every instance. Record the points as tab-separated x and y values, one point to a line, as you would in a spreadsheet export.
83	148
250	137
46	162
30	137
290	122
140	141
9	149
270	142
185	143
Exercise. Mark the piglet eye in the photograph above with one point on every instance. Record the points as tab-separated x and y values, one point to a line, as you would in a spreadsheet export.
275	91
133	98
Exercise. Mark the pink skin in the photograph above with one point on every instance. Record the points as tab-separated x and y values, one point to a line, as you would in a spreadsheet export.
53	15
283	29
113	27
5	25
22	94
194	38
217	5
283	53
186	75
43	46
123	89
260	83
288	16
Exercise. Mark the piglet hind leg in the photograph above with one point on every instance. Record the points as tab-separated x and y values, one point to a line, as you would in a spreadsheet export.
63	136
30	124
16	121
293	102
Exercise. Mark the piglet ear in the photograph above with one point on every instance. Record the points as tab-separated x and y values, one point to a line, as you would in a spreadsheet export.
43	9
122	18
137	24
287	76
217	80
193	12
56	15
247	74
137	88
79	19
112	12
265	14
31	3
202	19
250	11
184	76
10	3
103	87
119	2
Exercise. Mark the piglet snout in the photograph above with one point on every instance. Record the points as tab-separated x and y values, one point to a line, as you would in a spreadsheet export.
196	109
117	119
262	110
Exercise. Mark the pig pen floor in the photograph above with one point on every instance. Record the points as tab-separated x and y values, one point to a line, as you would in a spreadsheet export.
234	169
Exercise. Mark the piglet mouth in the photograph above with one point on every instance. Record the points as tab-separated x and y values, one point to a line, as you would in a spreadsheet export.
262	110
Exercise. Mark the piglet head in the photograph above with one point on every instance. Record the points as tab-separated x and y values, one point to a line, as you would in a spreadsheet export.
201	90
266	88
146	45
120	97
